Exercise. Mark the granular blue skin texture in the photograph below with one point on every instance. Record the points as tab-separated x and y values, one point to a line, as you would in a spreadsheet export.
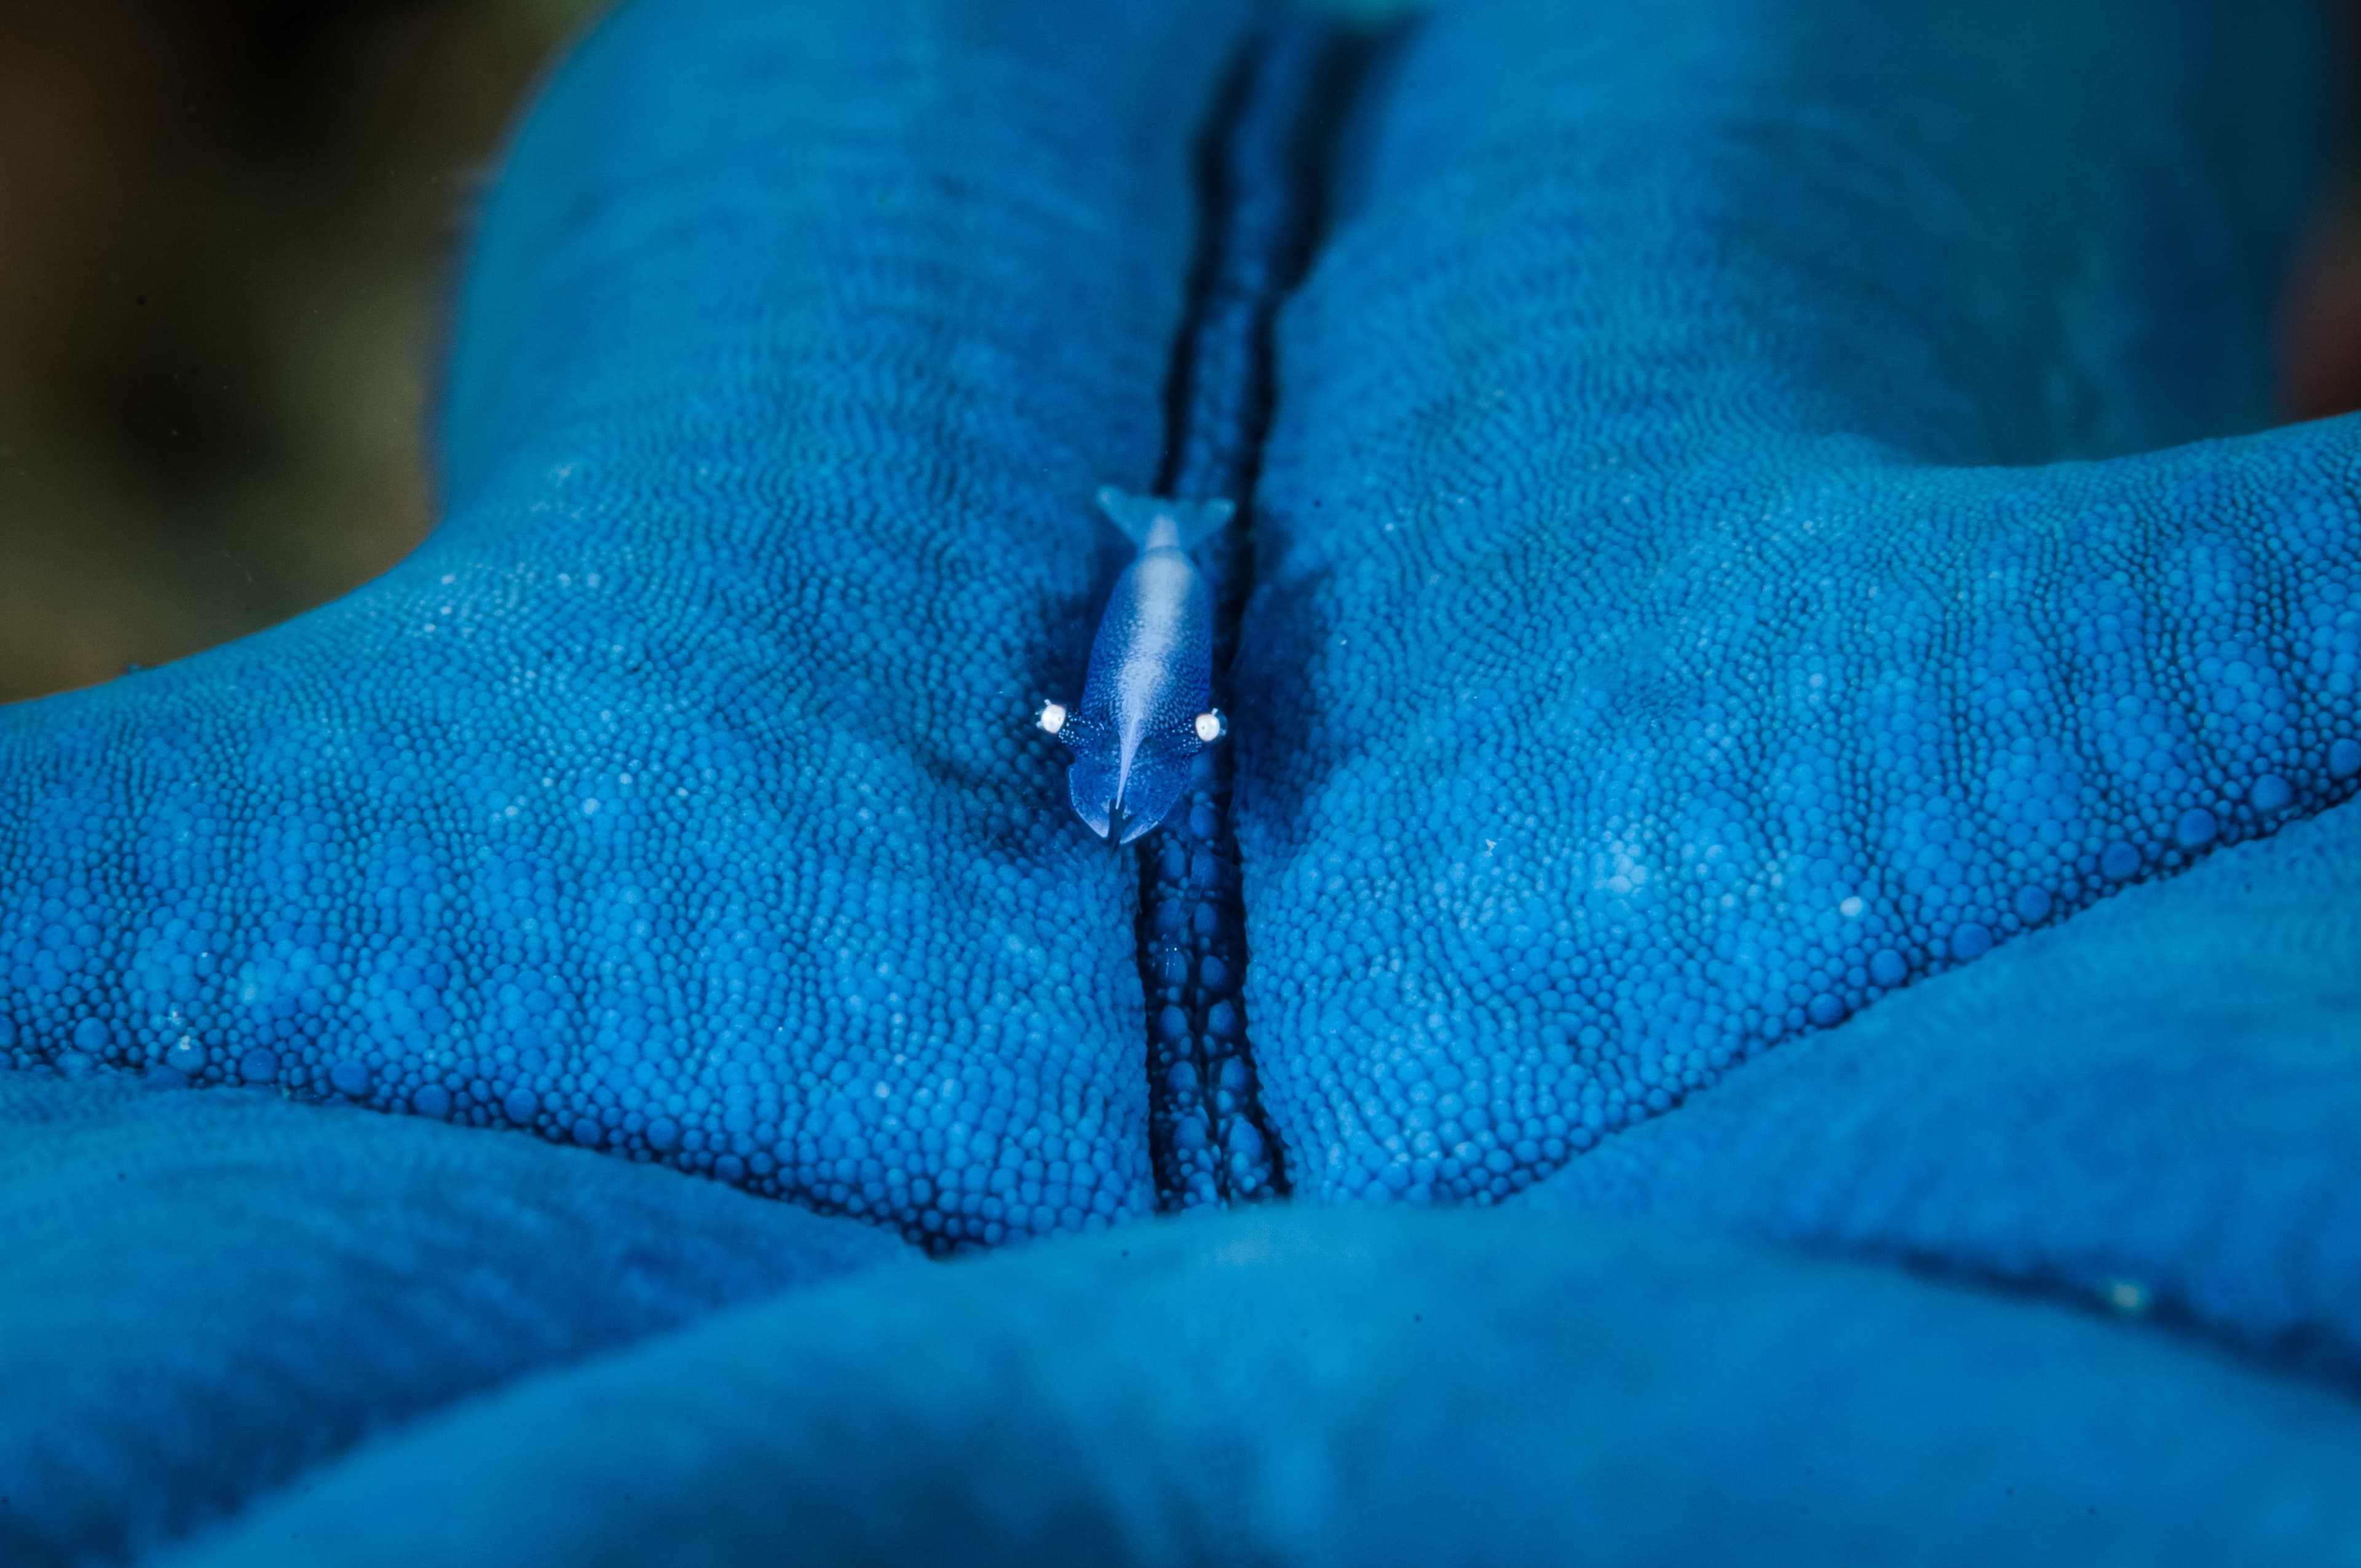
796	341
1723	556
680	797
2153	1109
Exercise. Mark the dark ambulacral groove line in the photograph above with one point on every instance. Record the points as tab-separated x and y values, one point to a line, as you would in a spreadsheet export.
1208	1138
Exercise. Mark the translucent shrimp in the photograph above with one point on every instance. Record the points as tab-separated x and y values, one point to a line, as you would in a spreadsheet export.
1146	707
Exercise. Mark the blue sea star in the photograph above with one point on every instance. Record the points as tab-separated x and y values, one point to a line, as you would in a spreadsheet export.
1664	646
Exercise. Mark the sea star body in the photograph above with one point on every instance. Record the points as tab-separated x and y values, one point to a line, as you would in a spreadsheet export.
1718	560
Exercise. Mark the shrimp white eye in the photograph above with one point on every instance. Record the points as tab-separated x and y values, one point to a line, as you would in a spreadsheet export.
1211	726
1053	717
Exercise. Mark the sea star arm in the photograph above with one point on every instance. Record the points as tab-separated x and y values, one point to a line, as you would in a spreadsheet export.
1713	569
2155	1107
1365	1386
680	797
203	1297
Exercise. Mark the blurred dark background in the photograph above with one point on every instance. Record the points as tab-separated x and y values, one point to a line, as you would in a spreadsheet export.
226	229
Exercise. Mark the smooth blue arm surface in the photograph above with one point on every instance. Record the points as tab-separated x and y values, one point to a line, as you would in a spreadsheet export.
203	1296
1721	564
1359	1387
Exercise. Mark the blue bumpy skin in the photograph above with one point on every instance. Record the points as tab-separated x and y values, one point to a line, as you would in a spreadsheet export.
680	797
1720	562
1723	558
2150	1109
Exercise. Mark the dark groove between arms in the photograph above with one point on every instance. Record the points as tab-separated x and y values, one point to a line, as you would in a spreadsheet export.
1209	1140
